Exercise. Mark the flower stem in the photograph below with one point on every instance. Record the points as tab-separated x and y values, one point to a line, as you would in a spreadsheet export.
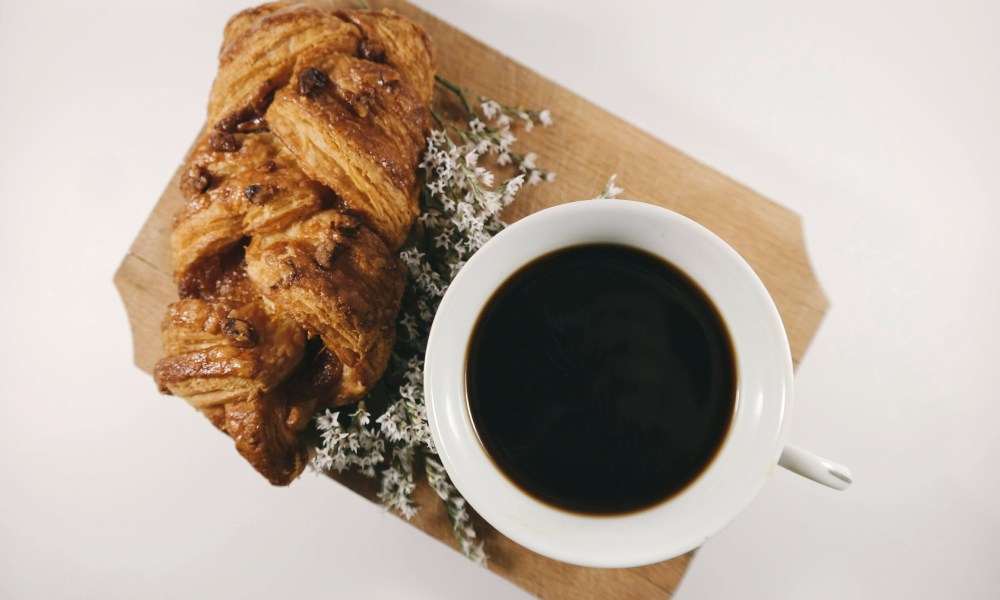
437	119
458	91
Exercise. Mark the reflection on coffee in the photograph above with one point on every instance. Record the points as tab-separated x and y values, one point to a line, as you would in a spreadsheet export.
601	379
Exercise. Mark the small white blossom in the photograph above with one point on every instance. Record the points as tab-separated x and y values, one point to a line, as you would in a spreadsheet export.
445	170
327	420
409	323
490	109
514	184
526	120
611	189
505	139
436	187
528	162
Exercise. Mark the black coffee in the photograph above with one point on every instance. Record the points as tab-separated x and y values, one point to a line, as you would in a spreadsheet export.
601	379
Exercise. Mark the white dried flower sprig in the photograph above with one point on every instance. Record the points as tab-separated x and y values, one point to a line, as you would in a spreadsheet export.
396	483
611	189
461	524
489	130
354	446
461	203
504	114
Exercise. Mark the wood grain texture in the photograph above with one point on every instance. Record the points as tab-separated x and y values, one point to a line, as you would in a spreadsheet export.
585	146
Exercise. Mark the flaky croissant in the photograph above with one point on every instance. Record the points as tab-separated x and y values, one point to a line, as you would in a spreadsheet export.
298	196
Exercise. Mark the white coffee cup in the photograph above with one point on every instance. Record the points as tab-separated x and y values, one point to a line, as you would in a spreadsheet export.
754	444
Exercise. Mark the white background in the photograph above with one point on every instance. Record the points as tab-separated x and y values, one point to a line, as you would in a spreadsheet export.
876	121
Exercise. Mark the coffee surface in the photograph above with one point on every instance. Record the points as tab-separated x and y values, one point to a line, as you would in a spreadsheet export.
601	379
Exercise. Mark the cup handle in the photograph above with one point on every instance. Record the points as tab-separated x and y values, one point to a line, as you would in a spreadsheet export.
809	465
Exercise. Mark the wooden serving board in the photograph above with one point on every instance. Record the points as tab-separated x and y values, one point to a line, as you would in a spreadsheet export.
584	147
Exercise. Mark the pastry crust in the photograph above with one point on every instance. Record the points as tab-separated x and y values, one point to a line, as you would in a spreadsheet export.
398	42
238	185
336	278
369	144
298	194
259	51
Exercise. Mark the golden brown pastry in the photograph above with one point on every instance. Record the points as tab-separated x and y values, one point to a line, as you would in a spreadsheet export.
238	185
259	50
227	361
298	194
398	42
336	278
220	350
372	141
